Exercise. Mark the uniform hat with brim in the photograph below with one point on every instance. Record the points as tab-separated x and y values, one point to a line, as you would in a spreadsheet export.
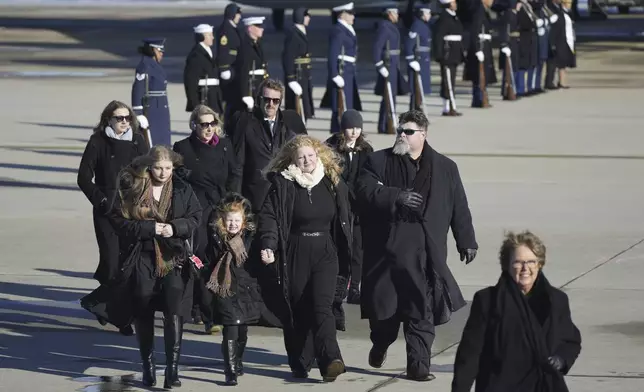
391	7
344	8
445	2
231	10
299	14
158	43
351	119
203	29
423	7
254	21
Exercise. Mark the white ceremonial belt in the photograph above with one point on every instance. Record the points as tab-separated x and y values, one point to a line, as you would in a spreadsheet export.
349	59
422	49
455	38
486	37
157	93
137	107
257	72
209	82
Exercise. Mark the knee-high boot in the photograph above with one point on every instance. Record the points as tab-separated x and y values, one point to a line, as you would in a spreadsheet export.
172	333
241	346
145	335
229	350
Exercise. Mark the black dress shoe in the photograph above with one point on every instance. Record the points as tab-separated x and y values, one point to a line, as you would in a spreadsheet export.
299	374
127	330
420	377
101	320
377	357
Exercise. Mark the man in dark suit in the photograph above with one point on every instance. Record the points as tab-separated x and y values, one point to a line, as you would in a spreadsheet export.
406	278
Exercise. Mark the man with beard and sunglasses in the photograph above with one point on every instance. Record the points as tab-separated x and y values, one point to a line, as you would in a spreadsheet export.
258	135
411	196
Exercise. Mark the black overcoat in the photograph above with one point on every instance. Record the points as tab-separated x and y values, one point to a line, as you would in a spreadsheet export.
447	207
114	301
296	60
501	359
201	69
274	222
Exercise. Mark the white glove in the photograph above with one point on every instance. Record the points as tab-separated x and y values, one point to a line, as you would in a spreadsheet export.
480	56
414	65
143	122
249	101
383	71
295	86
506	51
539	22
554	18
339	81
225	75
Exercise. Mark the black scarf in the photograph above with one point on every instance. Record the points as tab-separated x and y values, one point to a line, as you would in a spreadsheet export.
404	173
519	327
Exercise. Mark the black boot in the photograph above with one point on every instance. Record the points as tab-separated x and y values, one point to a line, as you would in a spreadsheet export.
241	346
172	332
229	350
145	336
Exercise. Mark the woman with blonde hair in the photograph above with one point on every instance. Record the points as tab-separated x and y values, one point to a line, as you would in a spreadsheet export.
305	233
213	172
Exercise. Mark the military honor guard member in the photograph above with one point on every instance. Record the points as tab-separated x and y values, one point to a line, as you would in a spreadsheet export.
418	43
149	94
228	42
296	60
200	75
476	21
509	43
527	46
342	87
249	68
390	82
448	52
543	45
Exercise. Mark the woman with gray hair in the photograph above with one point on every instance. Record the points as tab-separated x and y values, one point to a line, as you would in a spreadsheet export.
520	335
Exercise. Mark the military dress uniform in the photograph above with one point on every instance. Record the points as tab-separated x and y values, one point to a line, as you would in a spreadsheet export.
543	44
341	66
296	60
201	76
448	52
386	56
228	42
249	69
150	96
527	47
509	41
418	43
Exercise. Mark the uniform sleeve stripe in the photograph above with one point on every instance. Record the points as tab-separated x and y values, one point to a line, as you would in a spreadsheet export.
137	107
379	63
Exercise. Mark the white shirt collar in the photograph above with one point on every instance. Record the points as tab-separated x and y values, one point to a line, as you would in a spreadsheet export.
451	12
302	28
232	23
208	49
347	26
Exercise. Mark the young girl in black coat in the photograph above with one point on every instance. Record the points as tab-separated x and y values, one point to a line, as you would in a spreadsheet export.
234	291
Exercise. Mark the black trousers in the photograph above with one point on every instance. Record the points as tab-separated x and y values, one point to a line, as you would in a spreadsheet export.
419	338
551	69
314	270
452	78
167	290
356	259
238	333
108	248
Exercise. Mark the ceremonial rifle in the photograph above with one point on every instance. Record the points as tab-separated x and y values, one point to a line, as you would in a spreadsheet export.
510	89
146	105
341	98
299	107
204	91
389	100
419	94
482	82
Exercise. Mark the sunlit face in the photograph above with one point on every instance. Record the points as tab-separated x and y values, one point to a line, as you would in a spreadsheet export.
307	20
158	54
348	17
161	171
306	159
237	17
270	102
453	6
487	3
256	31
120	120
393	16
208	39
205	127
524	268
427	15
410	139
233	222
352	134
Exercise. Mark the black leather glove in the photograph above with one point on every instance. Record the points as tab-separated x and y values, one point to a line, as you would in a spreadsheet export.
556	362
104	207
467	254
409	199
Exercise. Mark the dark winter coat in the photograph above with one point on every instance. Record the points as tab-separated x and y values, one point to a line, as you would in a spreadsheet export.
444	51
202	68
114	301
506	344
384	286
274	222
479	30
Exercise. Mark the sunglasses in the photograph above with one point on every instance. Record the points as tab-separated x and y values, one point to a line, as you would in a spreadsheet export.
205	125
274	101
407	131
122	118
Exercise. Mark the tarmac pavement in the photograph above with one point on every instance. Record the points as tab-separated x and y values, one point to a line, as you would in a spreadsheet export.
565	164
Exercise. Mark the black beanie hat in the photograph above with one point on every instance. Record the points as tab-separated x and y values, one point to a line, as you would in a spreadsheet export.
351	119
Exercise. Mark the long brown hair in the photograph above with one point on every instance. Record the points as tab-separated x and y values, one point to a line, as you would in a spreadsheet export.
108	112
135	183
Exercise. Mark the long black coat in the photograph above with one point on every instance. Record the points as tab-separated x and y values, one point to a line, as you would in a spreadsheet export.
113	301
509	36
296	50
274	222
479	23
527	39
254	148
250	52
494	357
447	207
202	68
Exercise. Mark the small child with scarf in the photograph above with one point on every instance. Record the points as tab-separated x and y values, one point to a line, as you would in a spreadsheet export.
235	294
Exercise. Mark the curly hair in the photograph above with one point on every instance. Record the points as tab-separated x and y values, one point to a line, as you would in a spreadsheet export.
136	178
108	112
203	110
233	202
286	157
526	238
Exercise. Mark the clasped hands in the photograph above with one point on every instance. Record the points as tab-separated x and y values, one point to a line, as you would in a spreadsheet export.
163	229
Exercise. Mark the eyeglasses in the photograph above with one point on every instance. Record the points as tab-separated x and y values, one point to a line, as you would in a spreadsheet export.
205	125
407	131
521	263
274	101
122	118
